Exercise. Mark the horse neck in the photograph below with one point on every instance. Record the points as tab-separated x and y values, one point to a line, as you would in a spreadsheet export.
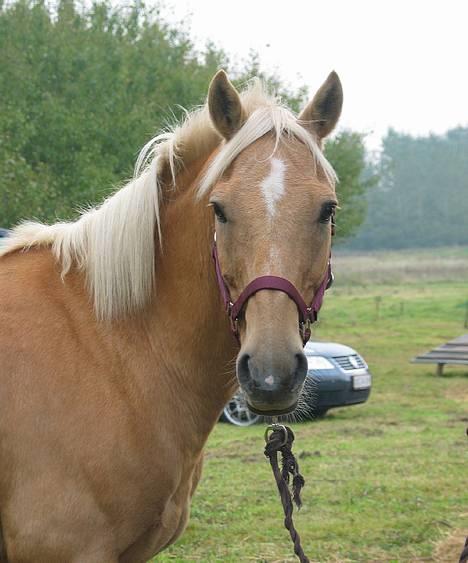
188	326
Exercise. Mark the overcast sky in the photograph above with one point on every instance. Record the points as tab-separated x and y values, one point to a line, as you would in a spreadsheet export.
402	63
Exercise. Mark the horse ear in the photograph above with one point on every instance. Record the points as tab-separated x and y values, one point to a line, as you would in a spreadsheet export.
321	114
225	106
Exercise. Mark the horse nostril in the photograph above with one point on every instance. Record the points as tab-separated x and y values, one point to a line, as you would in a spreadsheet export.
243	370
301	368
285	376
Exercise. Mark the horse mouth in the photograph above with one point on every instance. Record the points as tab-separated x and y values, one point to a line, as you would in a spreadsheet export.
272	412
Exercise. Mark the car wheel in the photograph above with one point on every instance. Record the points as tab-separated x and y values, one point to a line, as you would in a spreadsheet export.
237	412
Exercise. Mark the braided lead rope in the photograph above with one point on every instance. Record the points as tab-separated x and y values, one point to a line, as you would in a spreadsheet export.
280	440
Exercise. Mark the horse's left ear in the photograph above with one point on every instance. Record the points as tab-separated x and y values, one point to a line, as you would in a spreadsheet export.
225	106
321	114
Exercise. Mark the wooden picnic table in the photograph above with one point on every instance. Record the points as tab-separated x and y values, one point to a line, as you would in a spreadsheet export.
453	352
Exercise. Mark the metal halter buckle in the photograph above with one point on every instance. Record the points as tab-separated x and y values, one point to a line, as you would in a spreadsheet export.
272	428
235	325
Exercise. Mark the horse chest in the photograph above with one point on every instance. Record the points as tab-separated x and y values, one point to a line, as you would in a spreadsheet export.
170	521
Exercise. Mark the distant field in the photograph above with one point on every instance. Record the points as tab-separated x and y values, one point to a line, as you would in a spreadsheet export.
438	264
386	481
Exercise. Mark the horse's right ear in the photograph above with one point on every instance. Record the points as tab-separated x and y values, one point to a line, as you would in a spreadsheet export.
225	106
321	115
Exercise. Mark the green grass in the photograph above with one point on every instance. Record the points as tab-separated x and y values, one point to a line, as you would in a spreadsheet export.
385	481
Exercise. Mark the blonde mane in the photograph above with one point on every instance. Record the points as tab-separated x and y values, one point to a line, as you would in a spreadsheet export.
114	243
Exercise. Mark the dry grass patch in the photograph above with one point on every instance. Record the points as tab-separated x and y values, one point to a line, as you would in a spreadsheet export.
450	547
459	392
441	264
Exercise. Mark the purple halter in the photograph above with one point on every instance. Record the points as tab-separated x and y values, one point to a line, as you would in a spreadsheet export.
307	313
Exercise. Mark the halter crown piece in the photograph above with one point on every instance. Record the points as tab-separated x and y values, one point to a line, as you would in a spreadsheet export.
308	314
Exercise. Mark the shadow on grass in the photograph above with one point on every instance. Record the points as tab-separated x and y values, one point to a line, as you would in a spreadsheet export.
448	373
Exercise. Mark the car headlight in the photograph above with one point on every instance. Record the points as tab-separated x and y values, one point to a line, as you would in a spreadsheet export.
318	362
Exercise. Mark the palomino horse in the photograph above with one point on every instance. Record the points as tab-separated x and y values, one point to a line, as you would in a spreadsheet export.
115	352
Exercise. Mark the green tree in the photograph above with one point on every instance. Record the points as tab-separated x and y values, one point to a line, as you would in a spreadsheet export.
347	154
81	88
421	199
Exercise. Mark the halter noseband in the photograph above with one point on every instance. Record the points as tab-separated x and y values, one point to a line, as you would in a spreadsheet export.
307	313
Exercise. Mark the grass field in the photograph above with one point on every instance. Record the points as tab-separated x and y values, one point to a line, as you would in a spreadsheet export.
385	481
403	266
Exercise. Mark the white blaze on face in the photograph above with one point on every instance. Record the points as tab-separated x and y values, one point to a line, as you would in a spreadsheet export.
273	186
273	190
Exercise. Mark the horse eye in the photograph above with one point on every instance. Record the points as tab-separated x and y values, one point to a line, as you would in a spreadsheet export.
219	213
327	213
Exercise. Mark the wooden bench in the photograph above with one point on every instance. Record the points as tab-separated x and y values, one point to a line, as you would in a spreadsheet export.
453	352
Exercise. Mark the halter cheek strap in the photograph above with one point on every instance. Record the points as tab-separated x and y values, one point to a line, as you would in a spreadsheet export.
307	313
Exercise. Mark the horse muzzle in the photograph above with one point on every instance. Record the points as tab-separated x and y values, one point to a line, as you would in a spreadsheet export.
271	388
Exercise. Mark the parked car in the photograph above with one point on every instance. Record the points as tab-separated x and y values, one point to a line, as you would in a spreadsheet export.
337	376
3	234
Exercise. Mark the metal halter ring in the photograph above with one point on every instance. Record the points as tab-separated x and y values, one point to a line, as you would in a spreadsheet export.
274	427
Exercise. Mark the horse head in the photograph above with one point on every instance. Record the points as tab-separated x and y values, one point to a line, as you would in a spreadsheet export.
273	197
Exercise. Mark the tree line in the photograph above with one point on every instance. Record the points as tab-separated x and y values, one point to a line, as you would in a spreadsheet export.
83	87
421	199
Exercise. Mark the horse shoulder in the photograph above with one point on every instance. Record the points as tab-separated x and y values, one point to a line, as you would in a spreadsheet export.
99	432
